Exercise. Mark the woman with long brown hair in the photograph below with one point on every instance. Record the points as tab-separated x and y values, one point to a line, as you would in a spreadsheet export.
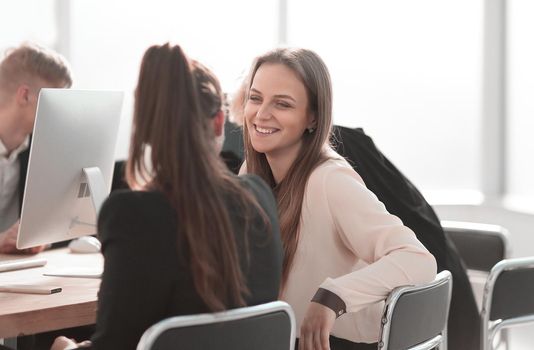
193	237
342	250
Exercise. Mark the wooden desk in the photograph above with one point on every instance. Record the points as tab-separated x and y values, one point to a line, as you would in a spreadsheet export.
75	305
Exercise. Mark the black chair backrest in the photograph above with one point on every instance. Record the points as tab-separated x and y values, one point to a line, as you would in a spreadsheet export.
513	289
264	327
481	246
513	293
265	332
508	298
415	315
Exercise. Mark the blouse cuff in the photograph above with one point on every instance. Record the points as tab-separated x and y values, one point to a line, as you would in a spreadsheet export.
330	300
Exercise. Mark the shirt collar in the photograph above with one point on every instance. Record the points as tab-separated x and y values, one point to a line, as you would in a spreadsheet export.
23	146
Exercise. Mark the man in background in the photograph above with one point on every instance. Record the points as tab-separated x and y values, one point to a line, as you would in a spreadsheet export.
24	71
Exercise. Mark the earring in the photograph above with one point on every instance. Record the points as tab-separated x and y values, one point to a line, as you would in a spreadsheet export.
311	130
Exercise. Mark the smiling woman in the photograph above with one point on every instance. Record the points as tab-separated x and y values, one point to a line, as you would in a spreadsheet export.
277	115
342	250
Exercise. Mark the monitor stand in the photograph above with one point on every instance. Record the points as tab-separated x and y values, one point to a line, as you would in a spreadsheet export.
97	187
91	185
98	193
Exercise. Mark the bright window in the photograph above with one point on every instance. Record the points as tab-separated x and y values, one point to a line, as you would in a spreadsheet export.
409	73
109	38
27	20
520	101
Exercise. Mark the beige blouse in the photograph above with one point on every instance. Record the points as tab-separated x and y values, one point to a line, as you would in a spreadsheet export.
350	245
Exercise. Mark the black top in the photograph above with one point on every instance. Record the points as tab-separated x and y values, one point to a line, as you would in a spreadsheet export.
231	160
146	273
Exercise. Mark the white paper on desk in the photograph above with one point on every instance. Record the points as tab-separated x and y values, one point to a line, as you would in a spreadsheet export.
80	272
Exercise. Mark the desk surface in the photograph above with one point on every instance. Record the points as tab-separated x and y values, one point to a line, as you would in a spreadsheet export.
74	306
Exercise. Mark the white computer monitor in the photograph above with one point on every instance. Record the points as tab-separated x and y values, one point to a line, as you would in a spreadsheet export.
70	166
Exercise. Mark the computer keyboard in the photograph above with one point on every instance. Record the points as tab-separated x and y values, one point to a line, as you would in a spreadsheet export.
19	264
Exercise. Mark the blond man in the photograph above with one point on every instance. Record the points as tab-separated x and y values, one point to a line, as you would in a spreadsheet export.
24	71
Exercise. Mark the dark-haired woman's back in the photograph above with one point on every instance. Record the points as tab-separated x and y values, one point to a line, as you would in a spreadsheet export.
147	276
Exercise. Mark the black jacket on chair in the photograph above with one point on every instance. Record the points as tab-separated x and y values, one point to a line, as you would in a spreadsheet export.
402	199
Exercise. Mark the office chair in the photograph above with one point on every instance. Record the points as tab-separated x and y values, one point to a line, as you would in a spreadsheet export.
481	246
415	317
508	298
269	326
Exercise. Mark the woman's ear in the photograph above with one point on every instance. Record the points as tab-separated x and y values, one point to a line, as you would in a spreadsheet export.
312	123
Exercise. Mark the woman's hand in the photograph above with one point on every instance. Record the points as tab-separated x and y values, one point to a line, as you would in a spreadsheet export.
316	327
64	343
